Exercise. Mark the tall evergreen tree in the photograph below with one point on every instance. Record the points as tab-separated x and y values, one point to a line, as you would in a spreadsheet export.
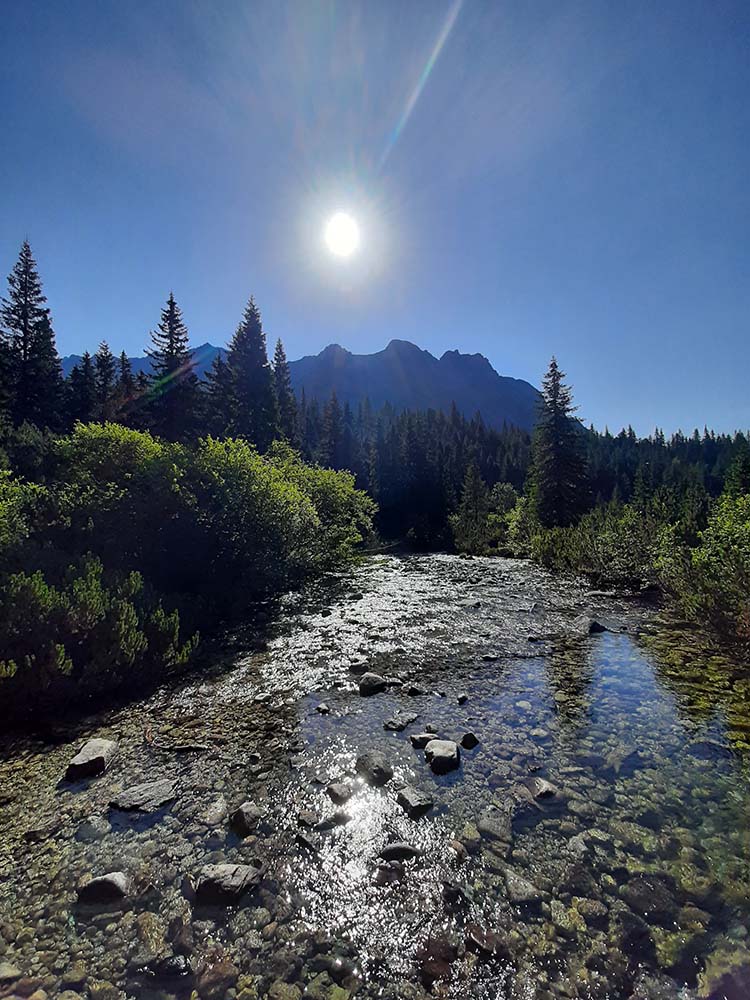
285	397
255	412
471	525
125	381
33	375
332	445
219	398
105	367
174	391
558	474
82	392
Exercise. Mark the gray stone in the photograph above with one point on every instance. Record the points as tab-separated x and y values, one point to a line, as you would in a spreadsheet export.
370	683
399	852
146	797
92	829
469	741
374	767
9	973
414	802
399	721
245	818
496	824
520	890
442	755
339	792
649	897
105	888
420	740
540	788
93	758
223	884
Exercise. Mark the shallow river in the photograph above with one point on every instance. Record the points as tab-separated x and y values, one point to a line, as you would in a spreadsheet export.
595	842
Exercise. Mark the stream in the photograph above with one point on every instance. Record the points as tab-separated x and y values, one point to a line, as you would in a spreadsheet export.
593	842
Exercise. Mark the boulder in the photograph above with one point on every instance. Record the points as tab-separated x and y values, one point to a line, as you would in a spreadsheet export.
223	884
245	818
420	740
414	802
469	741
370	683
586	625
147	797
105	888
649	897
442	755
520	890
496	824
93	758
93	828
374	767
540	788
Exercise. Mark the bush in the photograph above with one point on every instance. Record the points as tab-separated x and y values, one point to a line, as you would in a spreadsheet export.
92	632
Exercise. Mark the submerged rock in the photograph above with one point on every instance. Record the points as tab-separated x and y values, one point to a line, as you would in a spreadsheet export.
650	898
414	802
339	792
442	756
400	852
93	758
223	884
374	767
245	818
105	888
370	683
399	721
520	890
496	824
420	740
147	797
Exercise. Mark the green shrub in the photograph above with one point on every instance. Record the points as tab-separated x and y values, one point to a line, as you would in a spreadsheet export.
91	632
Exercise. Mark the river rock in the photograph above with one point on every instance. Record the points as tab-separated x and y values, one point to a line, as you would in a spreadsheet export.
147	797
374	767
399	852
649	897
370	683
105	888
339	792
215	978
420	740
586	625
520	890
442	756
245	818
540	788
469	741
223	884
93	758
399	721
9	973
92	829
496	824
414	802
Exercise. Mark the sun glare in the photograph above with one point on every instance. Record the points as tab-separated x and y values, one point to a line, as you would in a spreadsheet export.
342	234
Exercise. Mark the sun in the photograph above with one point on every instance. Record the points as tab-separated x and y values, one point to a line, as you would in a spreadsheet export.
342	234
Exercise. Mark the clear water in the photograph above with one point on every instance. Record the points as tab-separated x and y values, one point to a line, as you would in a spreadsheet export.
641	858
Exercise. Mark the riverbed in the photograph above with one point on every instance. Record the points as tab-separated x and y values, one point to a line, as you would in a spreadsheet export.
593	841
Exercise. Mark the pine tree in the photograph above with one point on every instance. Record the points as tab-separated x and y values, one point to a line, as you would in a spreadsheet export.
332	445
104	369
558	474
174	392
471	525
285	397
82	392
219	401
33	376
125	382
738	475
255	413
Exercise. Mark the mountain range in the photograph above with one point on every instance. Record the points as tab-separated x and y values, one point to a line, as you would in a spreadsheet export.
403	375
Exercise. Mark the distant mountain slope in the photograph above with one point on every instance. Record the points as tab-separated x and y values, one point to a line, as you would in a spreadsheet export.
410	378
403	375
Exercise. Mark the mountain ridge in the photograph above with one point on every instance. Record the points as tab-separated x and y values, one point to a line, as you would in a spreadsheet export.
402	374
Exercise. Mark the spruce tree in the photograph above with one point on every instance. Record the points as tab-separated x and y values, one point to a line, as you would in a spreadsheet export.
105	367
81	391
285	397
125	381
254	408
558	474
332	445
33	375
471	525
219	398
174	392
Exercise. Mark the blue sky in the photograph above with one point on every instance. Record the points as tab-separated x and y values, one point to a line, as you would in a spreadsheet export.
529	178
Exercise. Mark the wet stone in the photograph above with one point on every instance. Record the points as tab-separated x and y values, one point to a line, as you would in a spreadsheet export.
370	684
147	797
520	890
649	897
339	792
398	722
420	740
414	802
442	756
496	824
105	888
246	818
374	767
399	852
469	741
92	759
222	884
